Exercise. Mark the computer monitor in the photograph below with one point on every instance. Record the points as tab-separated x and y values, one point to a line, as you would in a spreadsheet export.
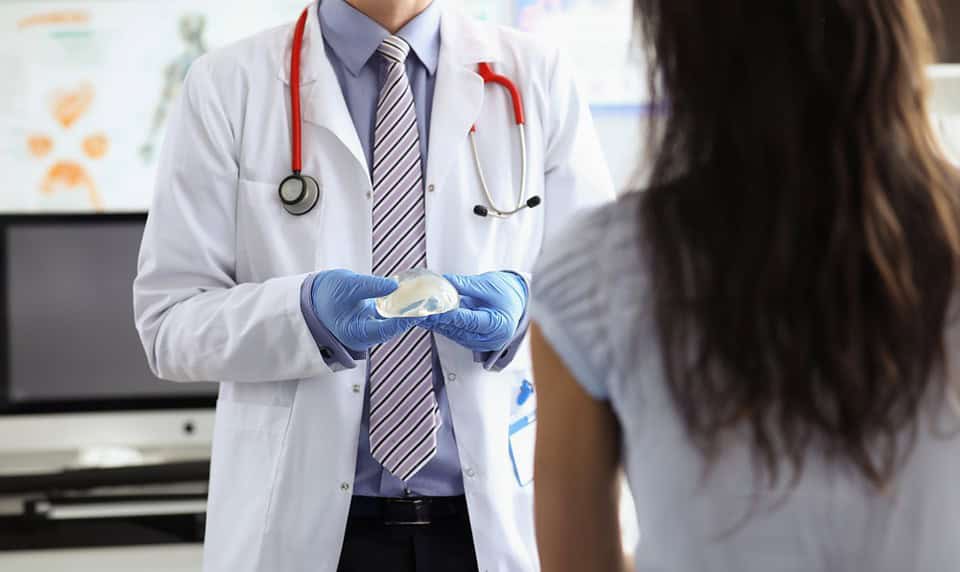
69	351
70	342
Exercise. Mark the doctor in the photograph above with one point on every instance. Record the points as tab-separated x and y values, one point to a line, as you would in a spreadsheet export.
344	441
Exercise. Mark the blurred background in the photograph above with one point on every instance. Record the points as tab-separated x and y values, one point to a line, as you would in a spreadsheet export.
102	466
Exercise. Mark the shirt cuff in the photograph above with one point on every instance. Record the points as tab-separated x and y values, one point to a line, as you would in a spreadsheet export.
500	359
336	355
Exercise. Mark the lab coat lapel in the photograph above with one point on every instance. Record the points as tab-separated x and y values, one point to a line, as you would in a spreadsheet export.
323	103
458	92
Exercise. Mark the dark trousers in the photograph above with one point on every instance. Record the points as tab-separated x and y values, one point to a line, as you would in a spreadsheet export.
373	545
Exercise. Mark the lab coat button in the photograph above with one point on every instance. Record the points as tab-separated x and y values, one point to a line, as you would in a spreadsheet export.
470	473
430	188
344	487
356	388
451	377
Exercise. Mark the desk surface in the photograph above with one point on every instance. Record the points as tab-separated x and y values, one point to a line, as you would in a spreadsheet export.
159	558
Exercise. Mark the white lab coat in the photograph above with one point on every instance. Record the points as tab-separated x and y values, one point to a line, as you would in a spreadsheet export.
217	296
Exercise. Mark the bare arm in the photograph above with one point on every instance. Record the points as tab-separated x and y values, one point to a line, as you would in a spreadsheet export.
576	471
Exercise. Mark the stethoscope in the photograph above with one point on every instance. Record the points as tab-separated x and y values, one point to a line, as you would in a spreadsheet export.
489	76
300	193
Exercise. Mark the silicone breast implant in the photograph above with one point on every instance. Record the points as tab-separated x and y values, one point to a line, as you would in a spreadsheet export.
421	293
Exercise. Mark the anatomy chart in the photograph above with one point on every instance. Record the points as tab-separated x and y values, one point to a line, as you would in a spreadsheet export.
82	118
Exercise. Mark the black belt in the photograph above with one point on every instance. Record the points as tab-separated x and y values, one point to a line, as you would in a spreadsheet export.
407	511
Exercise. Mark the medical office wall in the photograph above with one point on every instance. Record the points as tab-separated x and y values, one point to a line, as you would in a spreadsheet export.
89	84
949	30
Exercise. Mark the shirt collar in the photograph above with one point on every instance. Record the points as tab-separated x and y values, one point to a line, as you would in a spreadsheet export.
355	37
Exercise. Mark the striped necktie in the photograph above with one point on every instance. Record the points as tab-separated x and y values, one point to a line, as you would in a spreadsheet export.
403	407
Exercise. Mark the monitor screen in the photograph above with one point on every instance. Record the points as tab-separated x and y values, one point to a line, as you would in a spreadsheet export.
68	315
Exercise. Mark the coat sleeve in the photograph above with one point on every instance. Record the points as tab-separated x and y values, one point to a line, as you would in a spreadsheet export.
576	176
195	321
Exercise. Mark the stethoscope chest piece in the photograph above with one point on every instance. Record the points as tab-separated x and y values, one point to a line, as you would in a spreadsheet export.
299	194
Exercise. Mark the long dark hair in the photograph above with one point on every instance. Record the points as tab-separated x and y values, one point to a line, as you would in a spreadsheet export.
801	223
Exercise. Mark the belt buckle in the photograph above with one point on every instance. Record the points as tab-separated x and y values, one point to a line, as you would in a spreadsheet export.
396	512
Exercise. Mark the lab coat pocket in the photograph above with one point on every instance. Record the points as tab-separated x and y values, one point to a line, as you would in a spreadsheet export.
270	241
248	446
522	431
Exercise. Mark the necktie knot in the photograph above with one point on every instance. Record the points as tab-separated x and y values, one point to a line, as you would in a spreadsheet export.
395	49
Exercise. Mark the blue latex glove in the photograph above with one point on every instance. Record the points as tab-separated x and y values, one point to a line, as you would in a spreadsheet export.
343	302
491	306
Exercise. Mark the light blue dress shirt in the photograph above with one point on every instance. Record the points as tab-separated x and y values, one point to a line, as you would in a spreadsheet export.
351	40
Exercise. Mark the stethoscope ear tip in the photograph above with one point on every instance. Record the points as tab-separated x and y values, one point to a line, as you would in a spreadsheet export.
480	210
533	201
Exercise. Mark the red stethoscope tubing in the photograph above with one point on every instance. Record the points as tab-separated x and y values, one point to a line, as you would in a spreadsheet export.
296	162
483	69
490	76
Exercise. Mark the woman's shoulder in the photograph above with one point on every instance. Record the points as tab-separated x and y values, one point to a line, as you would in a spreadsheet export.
593	244
596	237
586	263
576	283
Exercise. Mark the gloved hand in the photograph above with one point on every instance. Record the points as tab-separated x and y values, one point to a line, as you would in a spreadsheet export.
491	306
343	302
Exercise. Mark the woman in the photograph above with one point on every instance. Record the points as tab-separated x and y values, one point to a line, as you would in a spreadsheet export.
763	339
